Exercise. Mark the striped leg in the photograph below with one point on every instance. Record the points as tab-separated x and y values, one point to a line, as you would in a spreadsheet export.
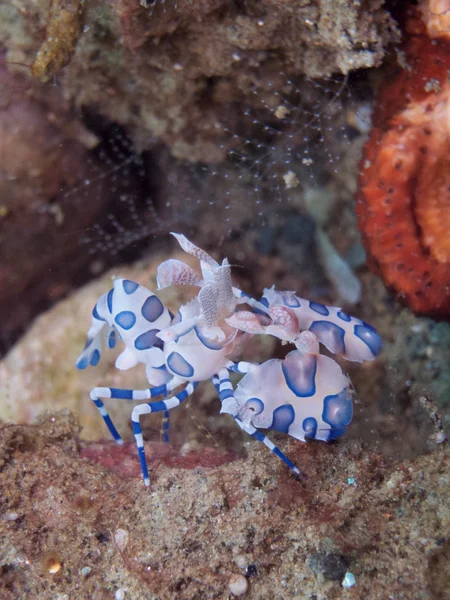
229	405
265	440
242	367
151	407
226	394
216	383
243	298
120	394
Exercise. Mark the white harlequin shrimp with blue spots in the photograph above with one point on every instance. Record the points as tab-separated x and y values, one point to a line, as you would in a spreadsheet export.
193	355
305	395
286	316
341	334
136	315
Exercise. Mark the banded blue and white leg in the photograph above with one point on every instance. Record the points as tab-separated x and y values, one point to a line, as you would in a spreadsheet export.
258	435
226	393
123	394
216	382
242	367
152	407
230	405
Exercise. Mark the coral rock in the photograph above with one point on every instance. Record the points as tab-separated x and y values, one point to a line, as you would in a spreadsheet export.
182	538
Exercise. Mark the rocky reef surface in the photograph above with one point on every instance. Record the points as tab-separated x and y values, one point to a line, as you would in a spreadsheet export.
75	525
104	106
235	123
165	69
222	514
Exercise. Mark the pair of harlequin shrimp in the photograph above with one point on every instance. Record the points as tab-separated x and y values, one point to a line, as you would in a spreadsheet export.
305	395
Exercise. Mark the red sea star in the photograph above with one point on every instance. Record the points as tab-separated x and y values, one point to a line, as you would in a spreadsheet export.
403	203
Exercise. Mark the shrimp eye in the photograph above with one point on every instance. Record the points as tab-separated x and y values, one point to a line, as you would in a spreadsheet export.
255	405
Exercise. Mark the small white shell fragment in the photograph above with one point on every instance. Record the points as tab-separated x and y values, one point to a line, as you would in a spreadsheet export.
238	585
12	516
348	581
439	437
121	538
120	594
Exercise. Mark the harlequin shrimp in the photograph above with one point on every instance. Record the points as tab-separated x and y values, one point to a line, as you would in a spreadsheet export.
286	315
305	395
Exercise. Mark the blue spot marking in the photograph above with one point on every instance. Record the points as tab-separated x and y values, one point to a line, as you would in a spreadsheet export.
343	316
369	326
211	344
112	339
129	286
121	394
146	340
109	300
96	315
179	365
152	308
310	427
370	337
319	308
126	319
331	335
283	417
300	374
290	300
83	363
338	412
265	302
159	344
256	404
95	358
88	343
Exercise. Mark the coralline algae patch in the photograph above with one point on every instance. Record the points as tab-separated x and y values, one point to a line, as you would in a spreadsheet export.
404	189
122	460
